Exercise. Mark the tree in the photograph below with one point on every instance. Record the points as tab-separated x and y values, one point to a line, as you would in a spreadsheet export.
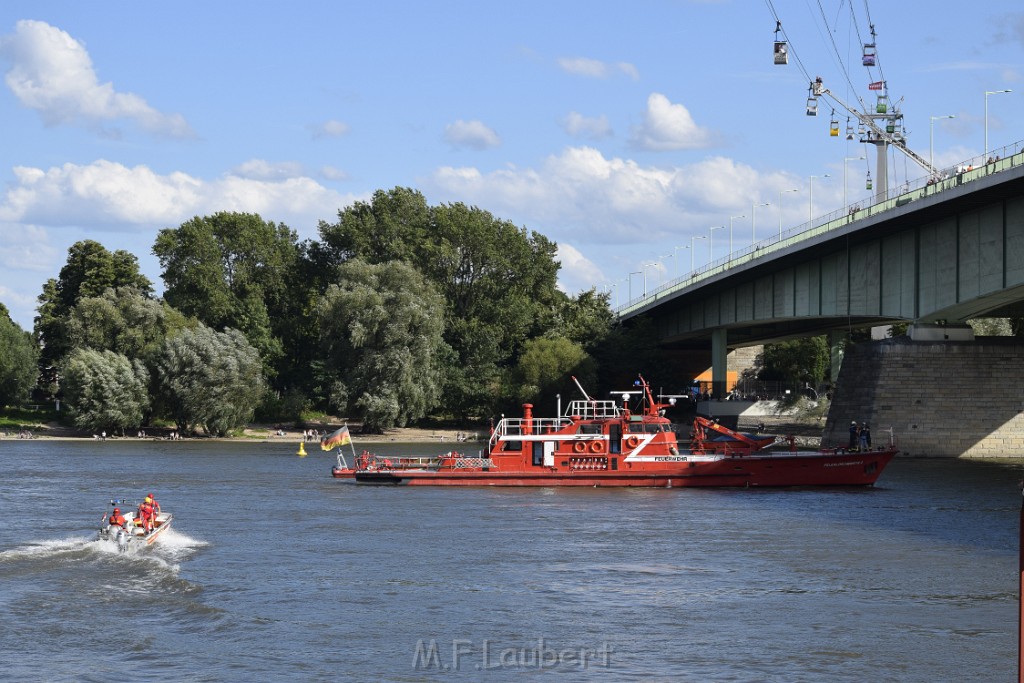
105	390
498	281
90	270
209	379
235	270
545	368
123	320
796	361
382	331
19	356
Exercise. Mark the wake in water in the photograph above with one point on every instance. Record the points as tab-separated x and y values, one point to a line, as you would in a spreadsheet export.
172	548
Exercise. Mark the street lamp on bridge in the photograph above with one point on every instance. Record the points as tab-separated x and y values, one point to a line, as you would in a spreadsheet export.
711	244
730	232
781	192
692	238
845	161
987	93
753	221
810	197
931	136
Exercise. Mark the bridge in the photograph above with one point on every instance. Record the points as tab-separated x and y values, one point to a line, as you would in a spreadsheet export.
935	251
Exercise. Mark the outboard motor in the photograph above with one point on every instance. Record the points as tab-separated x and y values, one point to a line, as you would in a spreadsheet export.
122	539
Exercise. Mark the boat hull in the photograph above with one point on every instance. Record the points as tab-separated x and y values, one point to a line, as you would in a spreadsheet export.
769	470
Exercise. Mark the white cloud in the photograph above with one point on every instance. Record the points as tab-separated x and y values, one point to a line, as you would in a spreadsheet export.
472	134
669	126
594	128
329	129
260	169
588	197
332	173
106	195
594	68
26	247
52	73
577	273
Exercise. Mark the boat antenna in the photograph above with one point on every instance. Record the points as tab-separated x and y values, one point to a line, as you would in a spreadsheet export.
580	387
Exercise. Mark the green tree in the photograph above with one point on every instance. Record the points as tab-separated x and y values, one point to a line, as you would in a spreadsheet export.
105	390
90	270
585	319
236	270
123	320
498	280
209	379
545	368
382	331
796	361
19	357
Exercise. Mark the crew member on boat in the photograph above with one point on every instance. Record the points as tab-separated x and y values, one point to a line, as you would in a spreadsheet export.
116	518
146	514
156	505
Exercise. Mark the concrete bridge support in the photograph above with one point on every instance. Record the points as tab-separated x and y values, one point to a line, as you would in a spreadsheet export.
942	398
719	362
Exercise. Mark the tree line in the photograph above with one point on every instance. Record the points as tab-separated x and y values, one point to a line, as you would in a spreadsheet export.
399	311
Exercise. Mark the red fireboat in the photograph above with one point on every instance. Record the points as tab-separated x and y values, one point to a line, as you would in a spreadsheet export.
603	443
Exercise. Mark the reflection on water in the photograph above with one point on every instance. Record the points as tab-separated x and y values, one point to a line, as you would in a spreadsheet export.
276	571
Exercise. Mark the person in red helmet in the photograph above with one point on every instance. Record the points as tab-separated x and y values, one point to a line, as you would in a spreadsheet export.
146	514
116	518
156	506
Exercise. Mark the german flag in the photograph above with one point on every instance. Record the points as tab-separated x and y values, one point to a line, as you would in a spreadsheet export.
340	437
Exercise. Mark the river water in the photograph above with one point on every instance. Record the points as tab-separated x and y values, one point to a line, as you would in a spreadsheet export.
274	571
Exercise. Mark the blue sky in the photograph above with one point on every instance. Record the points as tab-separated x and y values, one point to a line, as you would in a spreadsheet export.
619	130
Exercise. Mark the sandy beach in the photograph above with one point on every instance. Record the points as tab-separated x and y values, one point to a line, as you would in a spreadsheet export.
267	433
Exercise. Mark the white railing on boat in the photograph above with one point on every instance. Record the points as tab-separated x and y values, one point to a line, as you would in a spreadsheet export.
593	410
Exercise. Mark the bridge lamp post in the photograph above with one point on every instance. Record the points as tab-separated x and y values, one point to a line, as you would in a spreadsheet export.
692	238
730	232
987	93
711	244
810	196
675	255
931	136
781	192
644	268
847	159
631	285
753	221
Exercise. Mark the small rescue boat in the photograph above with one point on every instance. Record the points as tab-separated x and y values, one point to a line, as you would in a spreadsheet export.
602	443
133	532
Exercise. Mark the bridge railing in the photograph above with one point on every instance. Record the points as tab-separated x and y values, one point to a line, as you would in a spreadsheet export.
963	173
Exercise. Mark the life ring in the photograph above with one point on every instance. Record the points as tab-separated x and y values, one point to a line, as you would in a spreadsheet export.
579	446
633	441
597	446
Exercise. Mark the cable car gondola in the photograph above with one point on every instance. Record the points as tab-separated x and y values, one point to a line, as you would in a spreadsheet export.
849	129
870	54
868	183
781	48
833	126
812	103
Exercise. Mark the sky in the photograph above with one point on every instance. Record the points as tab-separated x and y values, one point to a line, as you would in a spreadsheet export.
622	131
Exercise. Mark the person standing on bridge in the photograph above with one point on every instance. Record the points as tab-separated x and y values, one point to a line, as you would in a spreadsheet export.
854	435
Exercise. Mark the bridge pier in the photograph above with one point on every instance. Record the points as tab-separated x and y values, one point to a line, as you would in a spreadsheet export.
940	398
719	362
837	346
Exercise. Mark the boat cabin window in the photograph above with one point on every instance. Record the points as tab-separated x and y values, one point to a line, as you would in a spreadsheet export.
512	445
588	429
538	453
